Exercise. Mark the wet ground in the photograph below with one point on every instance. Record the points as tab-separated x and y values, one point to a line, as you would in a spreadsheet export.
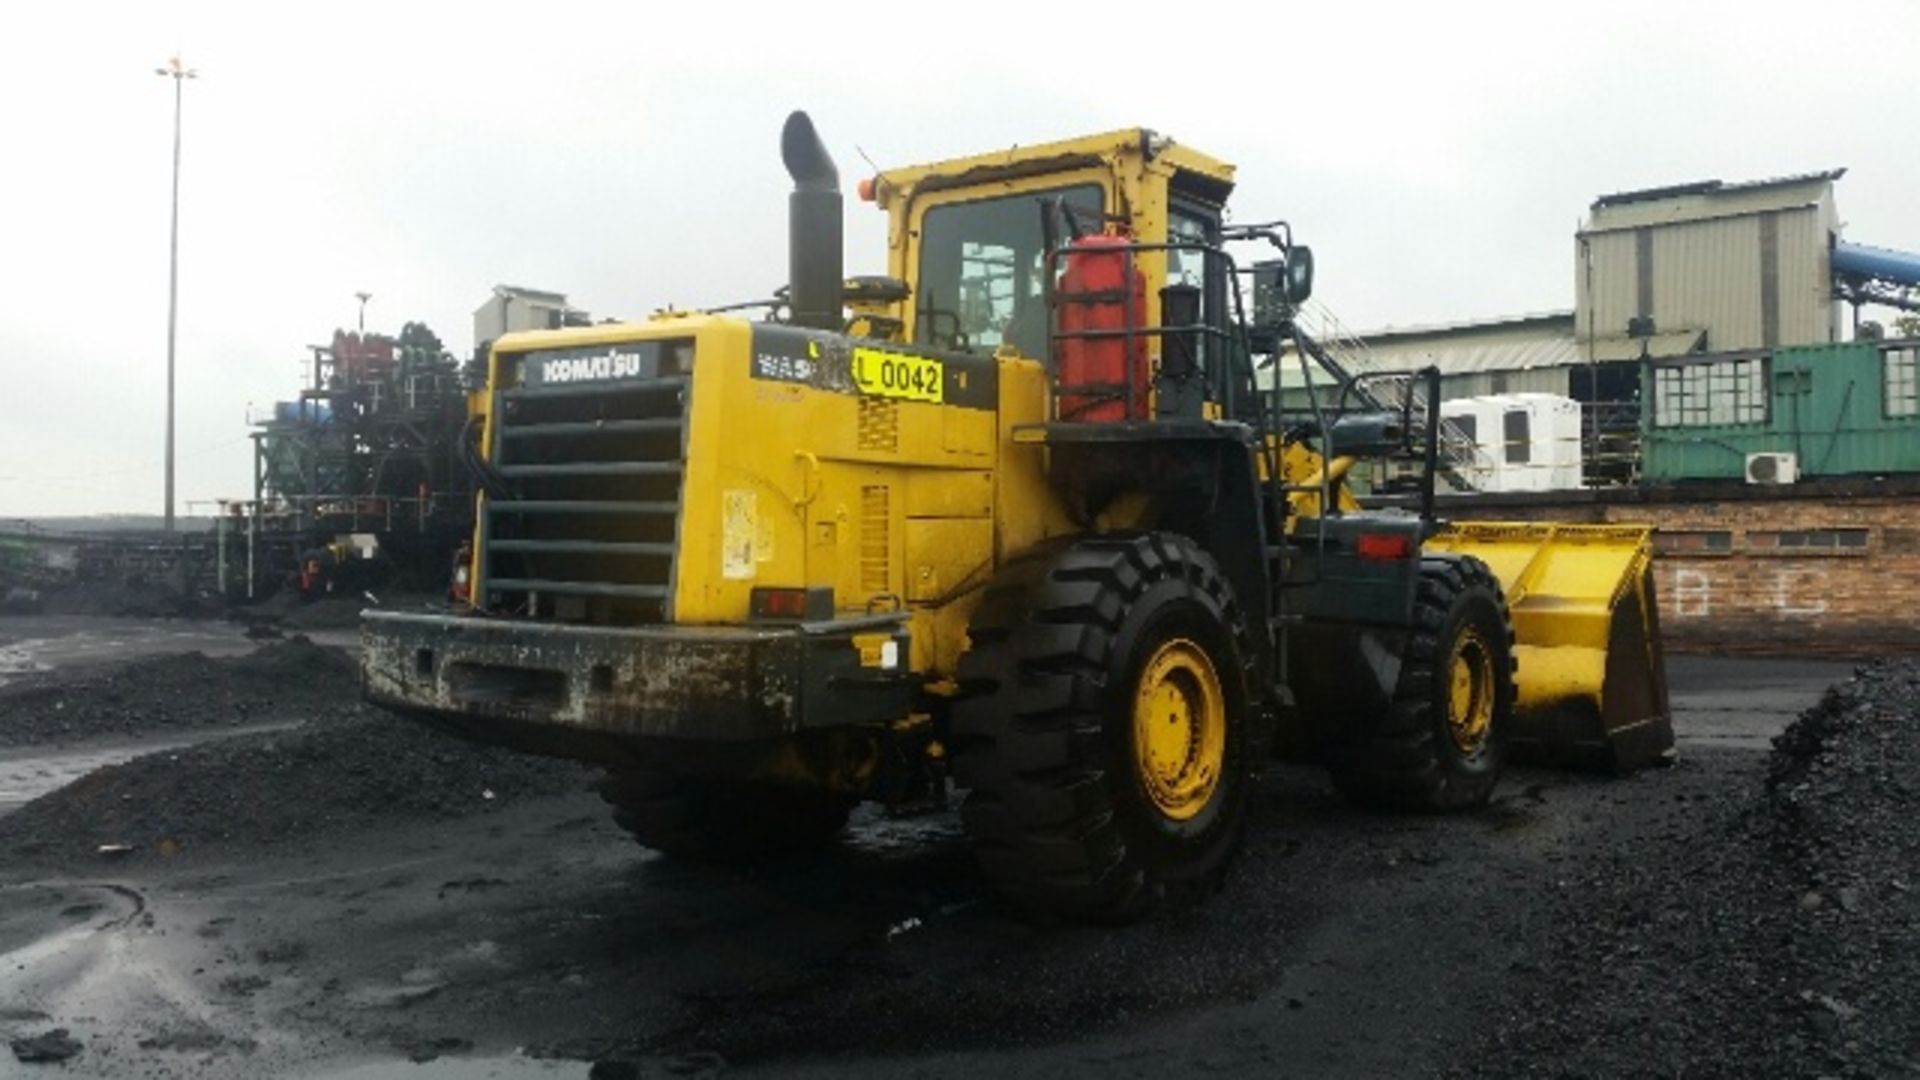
30	643
532	939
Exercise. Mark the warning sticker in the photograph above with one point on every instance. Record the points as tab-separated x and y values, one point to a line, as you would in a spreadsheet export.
739	530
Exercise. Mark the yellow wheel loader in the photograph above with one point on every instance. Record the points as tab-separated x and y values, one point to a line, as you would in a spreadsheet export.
1054	513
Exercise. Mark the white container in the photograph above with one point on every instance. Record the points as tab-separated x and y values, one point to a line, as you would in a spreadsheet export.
1526	442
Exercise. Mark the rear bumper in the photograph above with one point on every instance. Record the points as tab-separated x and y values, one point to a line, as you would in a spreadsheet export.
561	689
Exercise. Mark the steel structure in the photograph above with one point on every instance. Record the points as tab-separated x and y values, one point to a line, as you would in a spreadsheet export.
372	444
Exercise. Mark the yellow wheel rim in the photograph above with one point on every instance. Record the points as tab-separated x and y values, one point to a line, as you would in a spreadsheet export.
1470	692
1179	729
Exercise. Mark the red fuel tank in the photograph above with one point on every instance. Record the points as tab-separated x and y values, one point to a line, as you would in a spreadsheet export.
1094	371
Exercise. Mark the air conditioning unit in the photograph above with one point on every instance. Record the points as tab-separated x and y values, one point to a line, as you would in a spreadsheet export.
1773	468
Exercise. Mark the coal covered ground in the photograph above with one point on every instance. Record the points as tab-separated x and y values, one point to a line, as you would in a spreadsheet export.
352	890
1777	934
291	681
309	760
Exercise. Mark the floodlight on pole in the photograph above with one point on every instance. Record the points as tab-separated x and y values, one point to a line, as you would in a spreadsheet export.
179	73
363	297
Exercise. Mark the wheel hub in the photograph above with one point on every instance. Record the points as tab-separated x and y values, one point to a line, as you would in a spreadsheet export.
1470	692
1179	728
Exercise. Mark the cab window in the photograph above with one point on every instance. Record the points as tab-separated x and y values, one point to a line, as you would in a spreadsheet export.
982	269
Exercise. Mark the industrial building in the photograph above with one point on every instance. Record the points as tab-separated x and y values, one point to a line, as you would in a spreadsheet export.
1715	334
513	307
1730	394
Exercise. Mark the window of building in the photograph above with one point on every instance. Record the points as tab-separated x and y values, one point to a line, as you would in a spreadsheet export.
1693	542
1711	394
1808	541
1517	430
1898	368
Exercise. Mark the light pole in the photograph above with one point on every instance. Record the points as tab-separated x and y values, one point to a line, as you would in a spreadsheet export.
179	73
364	297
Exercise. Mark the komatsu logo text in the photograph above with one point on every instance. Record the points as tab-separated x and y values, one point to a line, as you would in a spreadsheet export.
566	369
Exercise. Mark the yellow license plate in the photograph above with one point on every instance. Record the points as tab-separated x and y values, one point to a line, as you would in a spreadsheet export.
885	374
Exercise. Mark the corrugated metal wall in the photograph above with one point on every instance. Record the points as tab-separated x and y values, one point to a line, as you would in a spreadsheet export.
1604	283
1754	278
1808	311
1481	383
1706	275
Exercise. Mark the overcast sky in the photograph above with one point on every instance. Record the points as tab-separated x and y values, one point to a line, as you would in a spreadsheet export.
1438	156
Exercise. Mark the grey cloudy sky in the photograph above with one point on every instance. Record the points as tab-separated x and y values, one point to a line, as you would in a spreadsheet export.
1437	156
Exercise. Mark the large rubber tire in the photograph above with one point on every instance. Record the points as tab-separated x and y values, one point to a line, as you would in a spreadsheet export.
1409	758
717	822
1061	818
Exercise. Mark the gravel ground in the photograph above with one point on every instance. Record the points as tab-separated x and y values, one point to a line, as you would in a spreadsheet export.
1777	936
292	680
346	887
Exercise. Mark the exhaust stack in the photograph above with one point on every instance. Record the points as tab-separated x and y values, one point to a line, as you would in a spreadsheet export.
816	271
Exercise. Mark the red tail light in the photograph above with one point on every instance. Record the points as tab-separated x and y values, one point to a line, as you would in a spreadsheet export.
791	605
1384	546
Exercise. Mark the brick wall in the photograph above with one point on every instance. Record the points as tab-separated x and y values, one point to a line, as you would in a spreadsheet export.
1832	570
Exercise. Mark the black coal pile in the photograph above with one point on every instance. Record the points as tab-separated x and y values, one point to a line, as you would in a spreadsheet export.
288	681
1777	934
291	611
277	789
141	598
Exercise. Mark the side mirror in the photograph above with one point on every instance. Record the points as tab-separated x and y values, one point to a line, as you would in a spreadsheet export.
1299	272
1280	285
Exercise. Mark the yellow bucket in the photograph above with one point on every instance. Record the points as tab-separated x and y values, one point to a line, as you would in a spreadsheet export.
1590	674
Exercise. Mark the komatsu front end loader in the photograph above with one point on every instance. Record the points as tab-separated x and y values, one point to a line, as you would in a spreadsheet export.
1054	513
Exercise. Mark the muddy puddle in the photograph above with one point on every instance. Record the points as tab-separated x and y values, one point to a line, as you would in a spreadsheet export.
31	644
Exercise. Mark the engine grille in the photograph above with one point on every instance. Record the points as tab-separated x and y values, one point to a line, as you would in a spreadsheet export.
592	467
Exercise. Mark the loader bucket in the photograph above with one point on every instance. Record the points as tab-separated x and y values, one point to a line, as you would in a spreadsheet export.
1590	674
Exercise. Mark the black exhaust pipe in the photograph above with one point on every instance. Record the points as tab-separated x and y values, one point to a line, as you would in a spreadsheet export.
816	268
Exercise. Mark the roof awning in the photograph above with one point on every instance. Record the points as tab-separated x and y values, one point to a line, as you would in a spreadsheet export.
1663	343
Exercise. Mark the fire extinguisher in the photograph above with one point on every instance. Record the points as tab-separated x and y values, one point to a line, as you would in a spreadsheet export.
1103	374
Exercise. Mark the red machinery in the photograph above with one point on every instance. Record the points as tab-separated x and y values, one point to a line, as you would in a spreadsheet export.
1103	375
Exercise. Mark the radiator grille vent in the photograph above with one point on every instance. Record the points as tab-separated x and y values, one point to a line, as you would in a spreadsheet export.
875	544
879	424
585	530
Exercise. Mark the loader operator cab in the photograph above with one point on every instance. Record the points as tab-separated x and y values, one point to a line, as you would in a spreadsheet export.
983	245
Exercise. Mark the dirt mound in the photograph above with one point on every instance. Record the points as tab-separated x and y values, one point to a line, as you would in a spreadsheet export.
291	680
1778	935
277	789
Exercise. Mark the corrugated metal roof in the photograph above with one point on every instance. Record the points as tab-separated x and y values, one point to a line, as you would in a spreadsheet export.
1708	187
1512	343
1470	326
529	294
1664	343
1707	200
1471	354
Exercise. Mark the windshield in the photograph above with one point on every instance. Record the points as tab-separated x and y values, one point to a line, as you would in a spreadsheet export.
982	265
